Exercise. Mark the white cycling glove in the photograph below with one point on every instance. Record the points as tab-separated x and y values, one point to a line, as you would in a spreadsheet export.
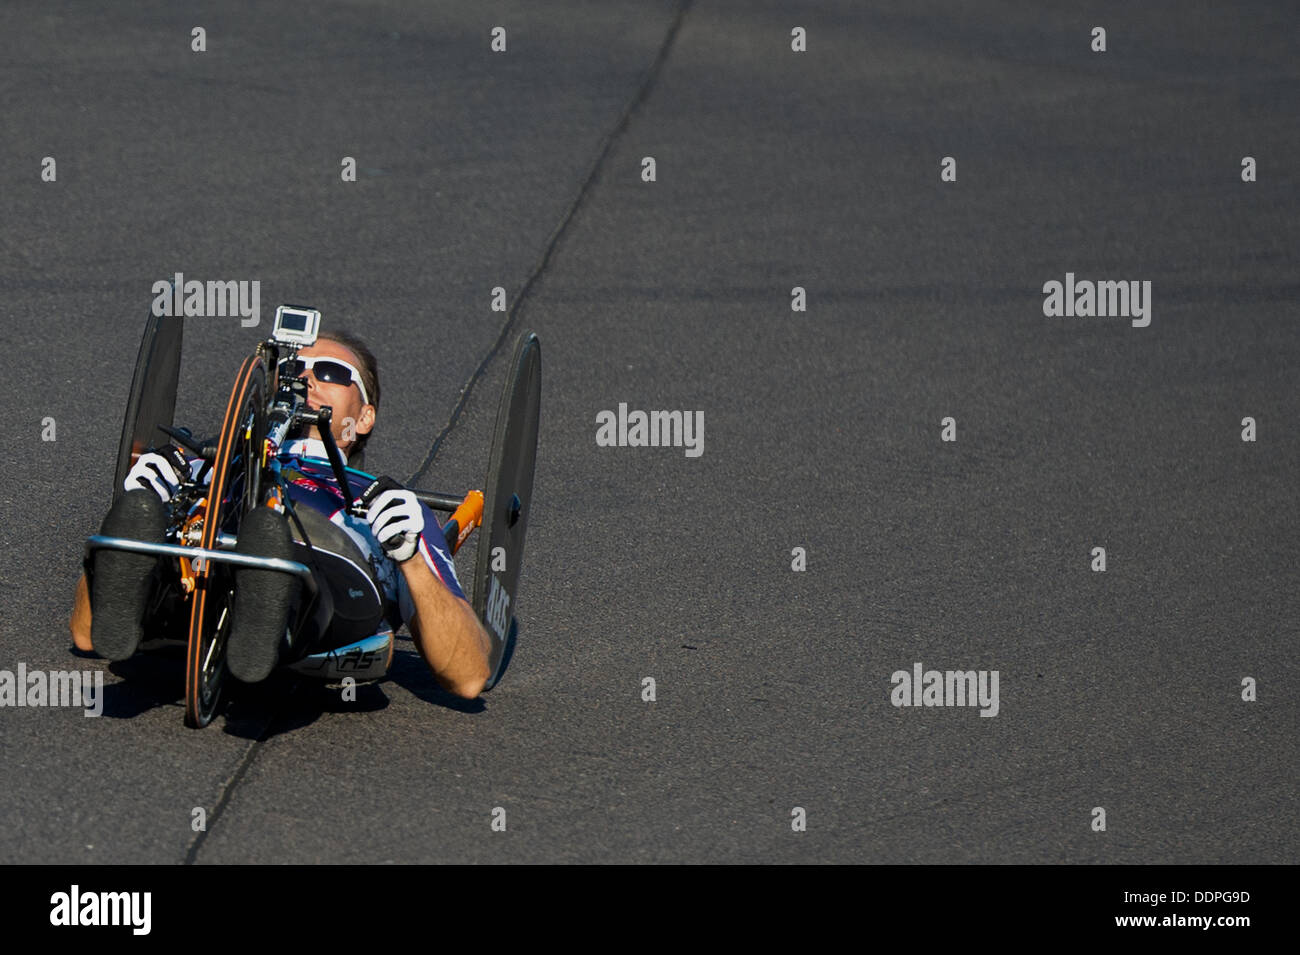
154	472
396	519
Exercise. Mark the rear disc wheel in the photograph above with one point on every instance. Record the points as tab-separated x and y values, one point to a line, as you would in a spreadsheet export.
507	503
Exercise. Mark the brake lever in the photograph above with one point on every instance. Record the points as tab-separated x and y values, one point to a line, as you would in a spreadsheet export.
185	437
181	463
376	487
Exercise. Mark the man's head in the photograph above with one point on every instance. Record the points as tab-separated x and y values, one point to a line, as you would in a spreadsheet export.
353	418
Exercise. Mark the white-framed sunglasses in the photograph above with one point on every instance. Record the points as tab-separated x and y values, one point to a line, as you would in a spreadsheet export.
334	371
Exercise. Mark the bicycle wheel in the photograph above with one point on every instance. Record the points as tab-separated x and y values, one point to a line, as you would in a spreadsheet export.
507	503
234	491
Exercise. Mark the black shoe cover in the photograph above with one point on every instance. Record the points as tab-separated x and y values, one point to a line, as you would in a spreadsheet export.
122	581
263	598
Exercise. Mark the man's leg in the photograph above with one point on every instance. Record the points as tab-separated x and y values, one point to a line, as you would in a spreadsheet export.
80	622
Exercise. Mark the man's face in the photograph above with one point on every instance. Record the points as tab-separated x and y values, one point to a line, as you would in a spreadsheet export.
350	417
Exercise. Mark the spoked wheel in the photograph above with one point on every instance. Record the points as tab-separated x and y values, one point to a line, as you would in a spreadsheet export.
234	491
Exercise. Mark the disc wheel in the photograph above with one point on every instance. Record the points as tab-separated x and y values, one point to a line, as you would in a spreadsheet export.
234	491
507	503
152	399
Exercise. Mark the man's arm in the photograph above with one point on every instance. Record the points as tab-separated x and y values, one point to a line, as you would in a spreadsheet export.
448	634
450	638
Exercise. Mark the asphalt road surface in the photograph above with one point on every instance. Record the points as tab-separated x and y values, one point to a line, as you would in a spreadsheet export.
773	687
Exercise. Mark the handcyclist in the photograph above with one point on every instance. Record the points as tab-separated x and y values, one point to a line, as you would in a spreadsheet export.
399	535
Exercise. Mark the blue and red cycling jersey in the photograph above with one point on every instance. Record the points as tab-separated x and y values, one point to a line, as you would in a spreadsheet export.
310	481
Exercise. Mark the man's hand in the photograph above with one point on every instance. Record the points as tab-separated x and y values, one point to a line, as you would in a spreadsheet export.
154	472
395	517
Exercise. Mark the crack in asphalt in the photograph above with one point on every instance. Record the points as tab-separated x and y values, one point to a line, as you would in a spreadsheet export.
227	789
192	853
647	84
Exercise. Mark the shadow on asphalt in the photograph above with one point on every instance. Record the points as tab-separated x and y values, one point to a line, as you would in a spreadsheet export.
281	704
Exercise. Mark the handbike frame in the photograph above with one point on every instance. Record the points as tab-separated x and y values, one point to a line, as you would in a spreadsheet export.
287	410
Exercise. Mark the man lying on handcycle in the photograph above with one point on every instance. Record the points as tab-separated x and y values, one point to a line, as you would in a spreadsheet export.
408	557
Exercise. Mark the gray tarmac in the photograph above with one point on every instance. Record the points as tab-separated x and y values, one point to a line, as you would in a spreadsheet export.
774	169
